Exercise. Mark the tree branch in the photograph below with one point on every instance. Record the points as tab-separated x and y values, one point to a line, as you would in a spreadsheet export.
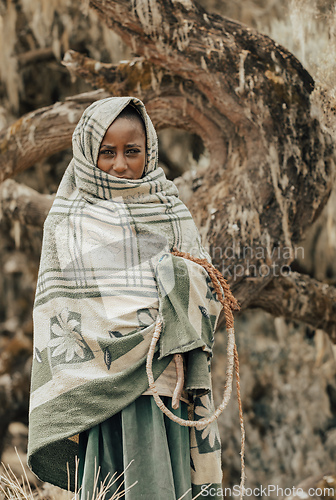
128	77
22	203
35	56
163	92
300	298
184	39
41	133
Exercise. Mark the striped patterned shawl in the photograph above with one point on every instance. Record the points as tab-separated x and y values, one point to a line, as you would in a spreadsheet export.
105	249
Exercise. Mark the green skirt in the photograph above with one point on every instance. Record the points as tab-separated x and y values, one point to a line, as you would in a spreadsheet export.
147	454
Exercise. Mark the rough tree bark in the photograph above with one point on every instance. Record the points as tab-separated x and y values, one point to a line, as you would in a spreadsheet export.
24	204
300	298
245	96
250	102
41	133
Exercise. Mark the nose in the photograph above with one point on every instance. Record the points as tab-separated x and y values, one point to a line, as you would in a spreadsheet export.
119	163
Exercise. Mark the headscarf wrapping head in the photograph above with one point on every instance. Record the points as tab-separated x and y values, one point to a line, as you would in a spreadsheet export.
105	272
92	128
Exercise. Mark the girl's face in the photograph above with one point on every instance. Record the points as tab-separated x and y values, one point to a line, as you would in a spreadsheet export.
122	152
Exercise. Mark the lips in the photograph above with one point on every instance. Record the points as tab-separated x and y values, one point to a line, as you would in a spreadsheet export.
121	177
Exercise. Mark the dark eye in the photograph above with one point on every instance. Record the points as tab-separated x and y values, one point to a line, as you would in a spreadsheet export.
106	152
133	151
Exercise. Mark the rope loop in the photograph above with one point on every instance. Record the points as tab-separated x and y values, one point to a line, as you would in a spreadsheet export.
229	303
203	422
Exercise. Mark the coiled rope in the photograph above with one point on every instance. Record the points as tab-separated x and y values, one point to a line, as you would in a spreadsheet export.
229	304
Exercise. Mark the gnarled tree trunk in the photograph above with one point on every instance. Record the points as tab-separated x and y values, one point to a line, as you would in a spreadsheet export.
249	101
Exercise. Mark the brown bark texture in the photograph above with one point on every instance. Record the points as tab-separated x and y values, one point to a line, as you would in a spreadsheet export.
299	297
41	133
24	204
248	99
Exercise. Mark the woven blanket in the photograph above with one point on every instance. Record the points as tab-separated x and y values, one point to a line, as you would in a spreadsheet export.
105	271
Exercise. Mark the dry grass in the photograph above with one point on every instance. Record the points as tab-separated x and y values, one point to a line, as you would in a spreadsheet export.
14	488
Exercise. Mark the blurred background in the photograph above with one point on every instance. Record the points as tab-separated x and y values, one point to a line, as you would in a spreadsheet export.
288	370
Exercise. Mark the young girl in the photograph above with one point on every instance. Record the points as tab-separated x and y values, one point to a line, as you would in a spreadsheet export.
106	274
